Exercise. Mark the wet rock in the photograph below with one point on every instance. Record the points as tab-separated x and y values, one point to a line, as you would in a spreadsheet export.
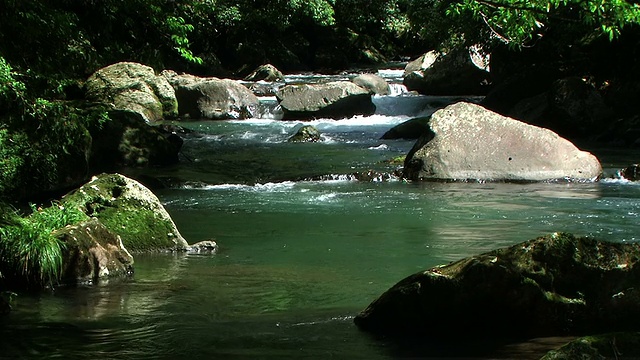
624	345
469	142
134	87
553	285
338	99
211	98
266	72
307	133
411	129
91	252
454	73
130	210
203	247
374	83
631	172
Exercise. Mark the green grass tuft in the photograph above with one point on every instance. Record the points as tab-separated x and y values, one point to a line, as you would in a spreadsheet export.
28	250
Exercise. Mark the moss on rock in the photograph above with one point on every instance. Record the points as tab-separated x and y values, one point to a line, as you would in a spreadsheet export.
130	210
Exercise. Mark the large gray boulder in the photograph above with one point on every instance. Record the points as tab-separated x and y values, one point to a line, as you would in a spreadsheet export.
553	285
376	84
460	72
212	98
134	87
469	142
92	253
130	210
337	99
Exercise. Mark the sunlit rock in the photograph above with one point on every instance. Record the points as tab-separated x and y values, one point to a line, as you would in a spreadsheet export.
135	87
468	142
130	210
376	84
553	285
91	253
338	99
211	98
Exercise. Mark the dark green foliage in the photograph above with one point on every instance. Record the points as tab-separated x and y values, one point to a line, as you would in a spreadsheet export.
28	251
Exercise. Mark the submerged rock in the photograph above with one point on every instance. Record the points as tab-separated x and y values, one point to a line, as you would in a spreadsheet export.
468	142
91	252
130	210
134	87
307	133
553	285
338	99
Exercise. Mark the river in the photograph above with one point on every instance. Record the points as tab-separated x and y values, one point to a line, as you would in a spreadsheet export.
304	246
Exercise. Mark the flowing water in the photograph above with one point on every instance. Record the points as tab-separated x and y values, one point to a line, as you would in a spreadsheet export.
304	244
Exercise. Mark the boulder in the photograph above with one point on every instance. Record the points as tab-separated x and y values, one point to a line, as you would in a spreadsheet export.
135	87
127	140
203	247
266	72
631	172
455	73
570	107
212	98
469	142
91	253
376	85
307	133
130	210
338	99
555	285
623	345
411	129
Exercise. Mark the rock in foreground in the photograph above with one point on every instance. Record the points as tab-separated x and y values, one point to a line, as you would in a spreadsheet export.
553	285
467	141
92	253
130	210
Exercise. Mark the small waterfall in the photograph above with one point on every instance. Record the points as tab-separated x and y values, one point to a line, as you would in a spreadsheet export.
397	89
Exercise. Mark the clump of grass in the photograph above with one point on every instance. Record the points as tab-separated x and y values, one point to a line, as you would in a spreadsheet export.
28	250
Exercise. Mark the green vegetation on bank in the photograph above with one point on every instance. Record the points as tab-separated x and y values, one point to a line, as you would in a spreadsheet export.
28	250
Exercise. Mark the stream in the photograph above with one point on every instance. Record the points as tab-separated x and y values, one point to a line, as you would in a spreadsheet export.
304	245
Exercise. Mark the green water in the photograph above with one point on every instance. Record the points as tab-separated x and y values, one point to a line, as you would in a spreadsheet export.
300	258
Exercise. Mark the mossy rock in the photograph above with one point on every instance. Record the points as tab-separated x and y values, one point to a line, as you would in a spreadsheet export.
625	345
555	285
130	210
